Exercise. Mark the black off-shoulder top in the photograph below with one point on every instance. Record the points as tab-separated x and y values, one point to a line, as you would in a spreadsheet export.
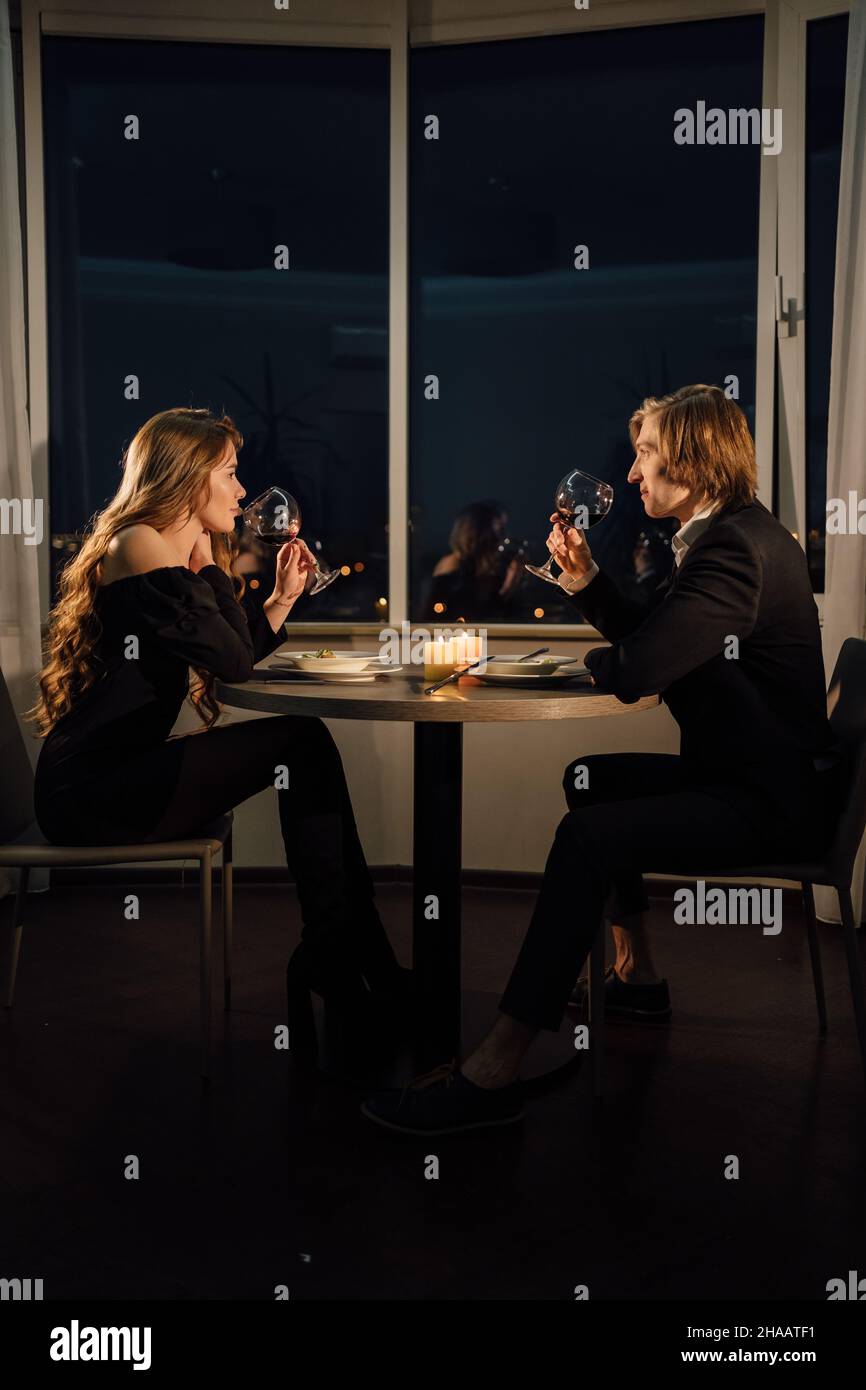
180	619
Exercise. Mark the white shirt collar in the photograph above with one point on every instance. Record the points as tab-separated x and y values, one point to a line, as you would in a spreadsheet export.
689	532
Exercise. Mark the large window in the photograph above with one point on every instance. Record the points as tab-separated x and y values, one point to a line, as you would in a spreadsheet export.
172	174
524	366
568	256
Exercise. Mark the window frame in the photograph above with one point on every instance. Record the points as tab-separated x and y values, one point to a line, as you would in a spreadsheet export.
790	495
399	25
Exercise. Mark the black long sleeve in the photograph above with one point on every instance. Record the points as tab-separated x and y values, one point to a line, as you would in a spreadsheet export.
265	639
197	618
602	604
716	596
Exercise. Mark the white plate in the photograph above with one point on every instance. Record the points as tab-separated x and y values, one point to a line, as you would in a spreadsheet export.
539	666
340	662
503	666
558	678
351	677
339	677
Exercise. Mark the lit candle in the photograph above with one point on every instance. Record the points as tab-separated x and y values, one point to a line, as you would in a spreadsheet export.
470	647
440	658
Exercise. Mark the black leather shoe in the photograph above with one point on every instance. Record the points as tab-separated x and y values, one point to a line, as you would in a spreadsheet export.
444	1101
622	1000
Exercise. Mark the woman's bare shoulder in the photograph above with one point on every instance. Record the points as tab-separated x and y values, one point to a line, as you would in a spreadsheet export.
134	550
449	564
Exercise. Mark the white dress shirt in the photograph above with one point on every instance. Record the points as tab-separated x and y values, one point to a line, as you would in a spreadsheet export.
688	533
680	542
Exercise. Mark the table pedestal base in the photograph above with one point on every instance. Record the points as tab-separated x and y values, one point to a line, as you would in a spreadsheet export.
436	883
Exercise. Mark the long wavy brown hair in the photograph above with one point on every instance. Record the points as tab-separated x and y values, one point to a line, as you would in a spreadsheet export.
166	469
475	536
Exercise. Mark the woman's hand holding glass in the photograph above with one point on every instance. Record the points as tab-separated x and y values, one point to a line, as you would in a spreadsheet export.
295	572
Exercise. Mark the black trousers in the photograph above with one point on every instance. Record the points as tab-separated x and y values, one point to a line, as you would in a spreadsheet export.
213	772
643	812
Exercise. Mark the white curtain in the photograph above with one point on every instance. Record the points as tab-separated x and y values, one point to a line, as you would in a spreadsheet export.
845	586
20	646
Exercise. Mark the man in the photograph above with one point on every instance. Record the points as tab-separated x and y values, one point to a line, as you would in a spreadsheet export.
731	641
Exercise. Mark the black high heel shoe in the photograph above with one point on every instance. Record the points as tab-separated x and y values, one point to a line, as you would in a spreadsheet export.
364	1013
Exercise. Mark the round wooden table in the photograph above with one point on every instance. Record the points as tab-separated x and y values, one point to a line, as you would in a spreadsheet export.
438	769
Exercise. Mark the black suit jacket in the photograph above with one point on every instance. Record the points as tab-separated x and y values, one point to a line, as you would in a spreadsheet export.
758	719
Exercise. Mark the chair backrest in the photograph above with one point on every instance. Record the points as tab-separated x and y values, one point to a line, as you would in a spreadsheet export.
846	709
16	773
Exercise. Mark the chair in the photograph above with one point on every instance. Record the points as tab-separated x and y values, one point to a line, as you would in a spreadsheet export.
23	846
846	708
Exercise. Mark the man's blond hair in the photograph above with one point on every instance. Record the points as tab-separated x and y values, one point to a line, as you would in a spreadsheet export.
704	442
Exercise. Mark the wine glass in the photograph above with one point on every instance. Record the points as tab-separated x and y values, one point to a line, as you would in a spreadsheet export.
581	501
511	549
512	555
275	518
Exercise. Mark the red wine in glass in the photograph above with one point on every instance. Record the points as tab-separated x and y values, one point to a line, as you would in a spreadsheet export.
276	540
275	518
581	517
581	501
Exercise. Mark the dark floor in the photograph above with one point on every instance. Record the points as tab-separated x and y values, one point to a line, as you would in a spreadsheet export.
272	1181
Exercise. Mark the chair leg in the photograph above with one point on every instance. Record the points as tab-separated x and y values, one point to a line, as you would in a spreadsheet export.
228	920
855	969
815	954
596	1012
17	933
205	923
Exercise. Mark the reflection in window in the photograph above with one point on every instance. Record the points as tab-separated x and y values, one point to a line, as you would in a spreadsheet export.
478	577
826	47
523	367
161	268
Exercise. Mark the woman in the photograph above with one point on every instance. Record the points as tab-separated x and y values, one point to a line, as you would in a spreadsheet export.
468	583
149	594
